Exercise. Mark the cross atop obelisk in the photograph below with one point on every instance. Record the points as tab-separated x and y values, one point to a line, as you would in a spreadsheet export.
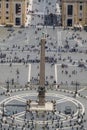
41	94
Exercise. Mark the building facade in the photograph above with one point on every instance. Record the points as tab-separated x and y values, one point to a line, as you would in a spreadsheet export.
13	12
74	12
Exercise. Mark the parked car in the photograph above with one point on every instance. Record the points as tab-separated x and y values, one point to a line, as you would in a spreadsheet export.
68	110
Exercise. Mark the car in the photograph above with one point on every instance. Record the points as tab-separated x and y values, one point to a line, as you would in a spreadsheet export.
68	110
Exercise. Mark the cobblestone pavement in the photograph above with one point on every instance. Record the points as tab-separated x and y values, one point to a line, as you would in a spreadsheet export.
65	72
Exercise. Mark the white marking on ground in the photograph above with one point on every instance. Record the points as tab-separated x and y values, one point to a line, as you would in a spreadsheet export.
82	89
20	99
59	39
62	100
29	73
3	88
19	114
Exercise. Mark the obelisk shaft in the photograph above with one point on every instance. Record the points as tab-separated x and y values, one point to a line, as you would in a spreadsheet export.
42	63
42	74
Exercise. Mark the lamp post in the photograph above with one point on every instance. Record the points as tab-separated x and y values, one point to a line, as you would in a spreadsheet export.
76	88
7	85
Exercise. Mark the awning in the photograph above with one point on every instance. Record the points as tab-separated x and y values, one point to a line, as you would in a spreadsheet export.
78	26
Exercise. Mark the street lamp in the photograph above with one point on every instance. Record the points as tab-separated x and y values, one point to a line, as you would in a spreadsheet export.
7	85
76	88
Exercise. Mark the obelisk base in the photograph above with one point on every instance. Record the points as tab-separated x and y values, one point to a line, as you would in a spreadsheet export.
34	106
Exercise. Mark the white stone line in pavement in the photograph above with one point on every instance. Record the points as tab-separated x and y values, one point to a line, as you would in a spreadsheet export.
19	120
20	99
27	94
19	114
6	64
61	115
68	128
7	125
55	95
6	99
75	114
29	73
15	98
59	38
76	102
9	100
82	89
3	88
67	99
61	100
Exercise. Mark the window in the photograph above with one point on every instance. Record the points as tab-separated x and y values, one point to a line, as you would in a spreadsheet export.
18	21
80	7
6	12
80	19
7	17
18	9
7	5
70	10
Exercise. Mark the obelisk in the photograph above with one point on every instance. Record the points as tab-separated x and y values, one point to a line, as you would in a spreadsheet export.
41	94
41	105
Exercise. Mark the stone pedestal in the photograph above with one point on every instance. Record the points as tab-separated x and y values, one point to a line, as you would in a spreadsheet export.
34	106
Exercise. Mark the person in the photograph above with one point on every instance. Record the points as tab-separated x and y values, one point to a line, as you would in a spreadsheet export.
53	26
